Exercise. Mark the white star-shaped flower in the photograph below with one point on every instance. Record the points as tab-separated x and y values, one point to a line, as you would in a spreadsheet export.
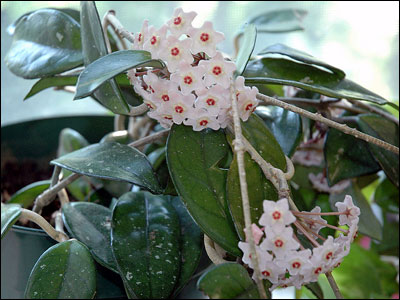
225	117
271	270
263	256
163	115
314	226
181	22
351	211
218	70
205	39
141	37
155	41
189	78
276	215
297	262
175	51
325	253
213	99
200	119
162	90
279	243
247	103
180	106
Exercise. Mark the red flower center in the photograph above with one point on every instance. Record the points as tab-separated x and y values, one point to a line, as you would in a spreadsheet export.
187	80
165	98
210	101
168	117
140	37
296	265
203	122
328	256
151	89
217	70
249	106
204	37
317	270
276	215
179	109
149	106
177	20
266	273
174	51
153	40
279	243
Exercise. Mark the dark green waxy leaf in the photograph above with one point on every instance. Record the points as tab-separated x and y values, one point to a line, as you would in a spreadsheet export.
278	21
27	195
193	161
389	132
145	243
368	224
45	42
90	224
301	56
387	196
245	51
69	141
93	47
228	281
109	66
315	288
347	157
48	82
307	77
191	243
65	270
377	280
285	125
112	161
9	215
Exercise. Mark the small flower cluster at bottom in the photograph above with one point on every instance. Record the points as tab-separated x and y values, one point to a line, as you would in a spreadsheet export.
283	260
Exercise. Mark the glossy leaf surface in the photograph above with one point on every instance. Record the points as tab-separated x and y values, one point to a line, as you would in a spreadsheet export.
247	47
9	215
27	195
47	82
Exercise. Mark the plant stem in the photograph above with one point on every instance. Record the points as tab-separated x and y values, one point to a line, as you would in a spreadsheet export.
149	139
304	231
342	127
119	122
333	213
138	110
39	220
119	29
211	252
47	196
376	111
239	150
333	285
324	224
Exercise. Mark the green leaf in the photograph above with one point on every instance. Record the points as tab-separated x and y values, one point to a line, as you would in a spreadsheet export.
301	57
120	136
375	278
245	51
111	161
368	224
315	288
93	47
387	196
285	125
65	270
347	157
48	82
285	72
145	243
228	281
278	21
388	131
27	195
9	215
90	224
191	243
193	159
109	66
45	42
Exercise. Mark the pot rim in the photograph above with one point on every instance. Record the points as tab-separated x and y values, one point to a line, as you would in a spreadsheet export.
28	230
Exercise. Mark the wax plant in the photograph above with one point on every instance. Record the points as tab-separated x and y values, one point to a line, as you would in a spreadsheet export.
262	158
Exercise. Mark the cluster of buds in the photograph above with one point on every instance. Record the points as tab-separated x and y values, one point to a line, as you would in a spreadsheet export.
195	87
282	257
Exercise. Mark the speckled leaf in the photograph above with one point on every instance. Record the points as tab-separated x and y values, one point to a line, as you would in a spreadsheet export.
109	66
9	215
69	141
111	161
47	82
369	224
228	281
27	195
301	56
307	77
259	188
247	47
285	125
93	47
145	244
388	131
191	243
45	42
193	161
347	157
65	270
90	224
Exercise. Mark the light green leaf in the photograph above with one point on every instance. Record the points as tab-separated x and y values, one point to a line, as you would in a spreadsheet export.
245	51
9	215
27	195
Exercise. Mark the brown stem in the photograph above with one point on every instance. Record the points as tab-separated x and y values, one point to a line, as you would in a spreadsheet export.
333	285
149	139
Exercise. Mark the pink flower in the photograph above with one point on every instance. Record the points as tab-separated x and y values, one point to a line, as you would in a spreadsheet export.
200	119
181	22
297	262
257	233
262	255
205	39
279	243
213	99
276	215
155	41
351	211
247	103
175	51
180	106
314	226
189	78
218	71
142	36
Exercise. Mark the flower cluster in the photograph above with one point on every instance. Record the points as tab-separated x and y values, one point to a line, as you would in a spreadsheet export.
283	260
195	88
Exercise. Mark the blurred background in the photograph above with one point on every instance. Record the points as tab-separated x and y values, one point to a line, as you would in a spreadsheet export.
362	38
